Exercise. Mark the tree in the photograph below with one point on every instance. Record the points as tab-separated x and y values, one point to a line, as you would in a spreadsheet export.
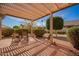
58	23
15	28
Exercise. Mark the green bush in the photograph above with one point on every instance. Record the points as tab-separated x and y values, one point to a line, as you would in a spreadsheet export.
73	36
39	32
7	32
61	32
21	31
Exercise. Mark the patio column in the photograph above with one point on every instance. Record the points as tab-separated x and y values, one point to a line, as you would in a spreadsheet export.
1	17
51	27
31	28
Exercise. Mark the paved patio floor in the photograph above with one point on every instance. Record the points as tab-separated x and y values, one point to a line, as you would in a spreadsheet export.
39	48
7	41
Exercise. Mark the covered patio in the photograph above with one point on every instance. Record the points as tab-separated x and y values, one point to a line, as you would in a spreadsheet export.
33	12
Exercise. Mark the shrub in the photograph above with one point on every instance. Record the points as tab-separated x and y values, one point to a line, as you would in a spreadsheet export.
21	31
39	32
61	32
73	36
7	32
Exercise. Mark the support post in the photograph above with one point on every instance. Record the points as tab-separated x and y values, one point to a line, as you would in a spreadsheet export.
1	17
51	27
31	28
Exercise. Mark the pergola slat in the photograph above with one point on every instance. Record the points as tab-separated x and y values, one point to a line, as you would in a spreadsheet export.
34	6
51	7
17	10
31	8
32	11
10	11
64	6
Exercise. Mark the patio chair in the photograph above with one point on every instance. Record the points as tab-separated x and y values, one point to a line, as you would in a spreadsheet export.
24	39
15	39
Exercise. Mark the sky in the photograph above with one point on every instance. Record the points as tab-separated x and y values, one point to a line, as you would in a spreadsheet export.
68	14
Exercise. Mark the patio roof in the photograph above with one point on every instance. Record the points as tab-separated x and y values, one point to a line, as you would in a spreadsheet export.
31	11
